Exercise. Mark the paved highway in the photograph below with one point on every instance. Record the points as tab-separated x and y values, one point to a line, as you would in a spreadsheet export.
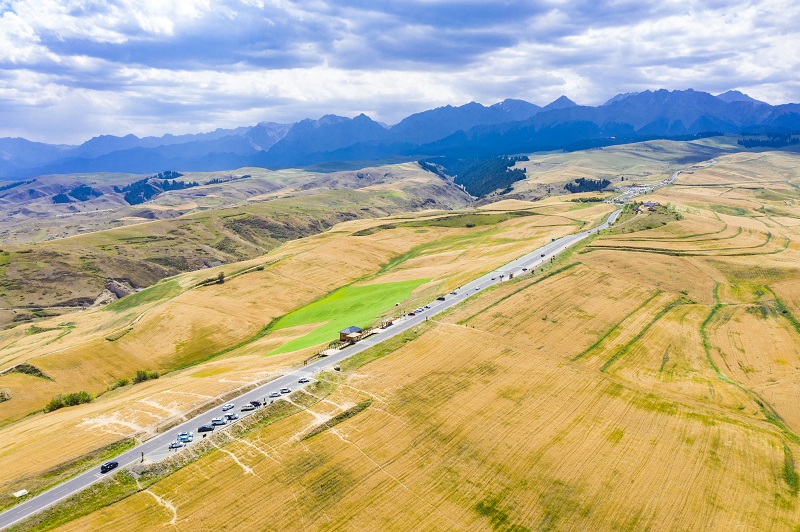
156	448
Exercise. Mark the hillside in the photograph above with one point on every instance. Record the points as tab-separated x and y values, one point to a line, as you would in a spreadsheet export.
645	380
203	226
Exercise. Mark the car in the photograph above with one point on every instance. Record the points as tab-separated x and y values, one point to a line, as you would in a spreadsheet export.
247	408
205	428
227	407
108	466
454	292
303	380
337	368
412	313
177	444
255	403
542	254
232	416
440	298
185	437
524	269
419	311
275	394
494	278
219	421
477	288
286	390
427	306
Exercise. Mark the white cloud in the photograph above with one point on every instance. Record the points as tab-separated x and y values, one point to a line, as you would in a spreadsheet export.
77	68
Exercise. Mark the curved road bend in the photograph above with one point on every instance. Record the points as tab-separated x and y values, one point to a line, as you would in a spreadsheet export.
156	448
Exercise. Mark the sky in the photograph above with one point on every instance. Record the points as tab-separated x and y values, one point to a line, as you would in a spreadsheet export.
74	69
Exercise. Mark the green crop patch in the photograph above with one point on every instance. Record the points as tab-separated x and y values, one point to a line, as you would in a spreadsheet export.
351	305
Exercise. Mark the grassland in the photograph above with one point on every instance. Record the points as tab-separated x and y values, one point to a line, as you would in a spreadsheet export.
647	382
351	305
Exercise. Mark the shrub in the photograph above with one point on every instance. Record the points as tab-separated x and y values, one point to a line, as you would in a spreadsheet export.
120	383
142	376
70	399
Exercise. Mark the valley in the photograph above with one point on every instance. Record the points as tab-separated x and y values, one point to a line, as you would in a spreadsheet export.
644	379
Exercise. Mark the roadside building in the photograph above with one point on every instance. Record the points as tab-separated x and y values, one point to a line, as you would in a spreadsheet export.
351	334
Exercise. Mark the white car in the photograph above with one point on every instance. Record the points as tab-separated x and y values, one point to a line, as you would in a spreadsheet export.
226	407
303	380
247	408
218	421
232	416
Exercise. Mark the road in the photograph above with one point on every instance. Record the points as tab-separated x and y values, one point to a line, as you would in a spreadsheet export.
156	448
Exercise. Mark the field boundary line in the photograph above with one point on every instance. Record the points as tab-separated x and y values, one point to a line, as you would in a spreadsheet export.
627	346
616	326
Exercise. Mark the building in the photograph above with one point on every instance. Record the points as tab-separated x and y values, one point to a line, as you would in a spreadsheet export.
352	334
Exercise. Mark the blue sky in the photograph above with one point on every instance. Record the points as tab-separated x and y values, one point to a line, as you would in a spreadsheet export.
73	69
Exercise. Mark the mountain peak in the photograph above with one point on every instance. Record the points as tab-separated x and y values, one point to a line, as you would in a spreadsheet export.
737	96
619	97
561	103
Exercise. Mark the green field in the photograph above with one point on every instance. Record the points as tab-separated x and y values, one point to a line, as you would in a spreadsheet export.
351	305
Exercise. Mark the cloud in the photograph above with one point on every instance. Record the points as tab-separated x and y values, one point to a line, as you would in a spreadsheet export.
71	69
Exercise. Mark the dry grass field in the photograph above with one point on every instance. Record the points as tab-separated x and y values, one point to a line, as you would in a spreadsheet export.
646	381
216	333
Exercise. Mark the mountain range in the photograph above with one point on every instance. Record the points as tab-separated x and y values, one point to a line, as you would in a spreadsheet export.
510	126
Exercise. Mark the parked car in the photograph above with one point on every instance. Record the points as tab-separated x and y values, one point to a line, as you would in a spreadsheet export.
440	298
205	428
255	403
227	407
412	313
247	408
524	269
427	306
232	416
108	466
494	278
303	380
177	444
275	394
286	390
185	437
454	292
542	254
218	421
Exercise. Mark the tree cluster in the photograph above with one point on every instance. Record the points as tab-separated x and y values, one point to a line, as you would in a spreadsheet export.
149	187
773	141
587	185
479	177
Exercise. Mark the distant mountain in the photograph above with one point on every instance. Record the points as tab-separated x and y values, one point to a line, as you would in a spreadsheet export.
620	96
428	126
561	103
736	96
507	127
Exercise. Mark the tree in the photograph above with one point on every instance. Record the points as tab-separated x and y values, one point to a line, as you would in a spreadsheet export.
221	278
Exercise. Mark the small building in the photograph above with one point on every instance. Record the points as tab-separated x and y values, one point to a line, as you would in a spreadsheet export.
352	334
651	204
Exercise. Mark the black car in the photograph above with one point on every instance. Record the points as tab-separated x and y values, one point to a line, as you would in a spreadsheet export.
108	466
255	403
206	428
440	298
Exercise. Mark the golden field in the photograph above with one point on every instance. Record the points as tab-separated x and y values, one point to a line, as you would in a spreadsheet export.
646	381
